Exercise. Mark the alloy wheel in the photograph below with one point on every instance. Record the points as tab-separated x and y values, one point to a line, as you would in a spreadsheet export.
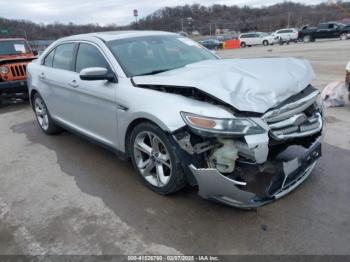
41	113
152	159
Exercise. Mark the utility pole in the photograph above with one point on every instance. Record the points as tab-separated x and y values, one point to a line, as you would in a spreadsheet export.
289	14
136	14
182	25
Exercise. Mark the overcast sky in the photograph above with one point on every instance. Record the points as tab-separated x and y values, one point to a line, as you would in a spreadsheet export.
103	11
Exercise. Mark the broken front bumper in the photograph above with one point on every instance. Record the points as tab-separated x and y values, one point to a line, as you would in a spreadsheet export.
254	185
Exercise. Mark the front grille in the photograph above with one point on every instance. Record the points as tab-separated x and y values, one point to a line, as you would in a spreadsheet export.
296	119
18	70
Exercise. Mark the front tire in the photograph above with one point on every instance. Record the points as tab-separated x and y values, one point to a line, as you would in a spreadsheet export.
343	37
243	44
265	43
43	116
154	158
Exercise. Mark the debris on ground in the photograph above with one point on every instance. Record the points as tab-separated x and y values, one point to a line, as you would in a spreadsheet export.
333	94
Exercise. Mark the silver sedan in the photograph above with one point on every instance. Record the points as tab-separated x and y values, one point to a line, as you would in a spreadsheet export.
245	131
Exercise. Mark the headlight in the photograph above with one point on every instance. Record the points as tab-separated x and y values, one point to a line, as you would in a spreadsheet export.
4	70
225	126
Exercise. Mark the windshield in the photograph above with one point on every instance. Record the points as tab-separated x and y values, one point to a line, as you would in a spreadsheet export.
156	54
13	47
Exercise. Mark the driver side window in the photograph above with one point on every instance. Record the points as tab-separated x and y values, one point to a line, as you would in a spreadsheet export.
89	56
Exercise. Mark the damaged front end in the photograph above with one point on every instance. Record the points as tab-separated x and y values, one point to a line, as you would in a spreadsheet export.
249	161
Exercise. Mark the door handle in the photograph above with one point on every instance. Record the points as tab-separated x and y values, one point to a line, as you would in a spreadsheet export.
74	84
42	76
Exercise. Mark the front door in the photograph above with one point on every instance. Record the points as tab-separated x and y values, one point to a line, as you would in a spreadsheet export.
96	113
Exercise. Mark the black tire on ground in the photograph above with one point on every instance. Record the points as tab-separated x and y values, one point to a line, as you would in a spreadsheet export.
52	128
243	44
26	97
265	43
177	177
343	37
307	39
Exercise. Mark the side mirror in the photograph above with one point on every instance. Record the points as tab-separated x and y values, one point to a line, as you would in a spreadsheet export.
97	73
35	52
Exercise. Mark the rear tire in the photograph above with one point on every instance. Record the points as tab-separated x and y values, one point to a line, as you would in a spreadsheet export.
155	159
243	44
43	117
307	39
265	43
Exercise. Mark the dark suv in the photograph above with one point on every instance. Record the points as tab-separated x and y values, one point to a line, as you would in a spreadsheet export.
323	30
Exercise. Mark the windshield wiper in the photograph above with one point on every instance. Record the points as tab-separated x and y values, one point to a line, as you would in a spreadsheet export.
154	72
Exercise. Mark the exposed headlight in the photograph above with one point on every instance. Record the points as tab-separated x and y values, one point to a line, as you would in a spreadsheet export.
224	126
4	70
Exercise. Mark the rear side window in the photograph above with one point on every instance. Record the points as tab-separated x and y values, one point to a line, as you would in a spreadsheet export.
89	56
323	26
49	58
63	58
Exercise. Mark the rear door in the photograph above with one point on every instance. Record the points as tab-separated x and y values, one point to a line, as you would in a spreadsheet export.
57	77
249	39
322	31
96	113
257	39
287	34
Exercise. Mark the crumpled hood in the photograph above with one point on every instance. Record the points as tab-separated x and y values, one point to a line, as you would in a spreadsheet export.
254	85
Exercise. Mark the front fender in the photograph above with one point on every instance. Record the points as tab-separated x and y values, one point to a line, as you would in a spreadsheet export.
161	108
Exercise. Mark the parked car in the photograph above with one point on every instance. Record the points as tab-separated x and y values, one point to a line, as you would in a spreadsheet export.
287	35
15	54
323	30
245	131
345	32
212	44
257	38
223	38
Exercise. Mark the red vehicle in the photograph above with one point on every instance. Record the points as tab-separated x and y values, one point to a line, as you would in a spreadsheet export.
15	54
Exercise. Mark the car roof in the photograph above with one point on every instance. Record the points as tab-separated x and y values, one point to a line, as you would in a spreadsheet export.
11	39
286	29
114	35
249	33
